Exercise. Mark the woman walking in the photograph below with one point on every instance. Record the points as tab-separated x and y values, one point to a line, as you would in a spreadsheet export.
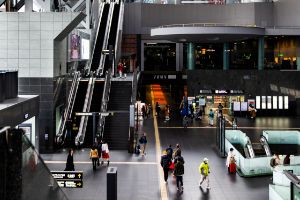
70	162
94	156
105	153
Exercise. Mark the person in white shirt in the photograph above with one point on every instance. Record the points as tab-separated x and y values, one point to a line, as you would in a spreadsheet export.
230	158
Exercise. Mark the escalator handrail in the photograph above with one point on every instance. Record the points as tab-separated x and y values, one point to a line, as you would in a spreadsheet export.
80	137
106	37
248	146
265	144
67	110
96	36
105	99
70	106
119	35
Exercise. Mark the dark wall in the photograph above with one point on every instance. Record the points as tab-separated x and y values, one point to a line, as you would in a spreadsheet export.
8	85
253	82
46	88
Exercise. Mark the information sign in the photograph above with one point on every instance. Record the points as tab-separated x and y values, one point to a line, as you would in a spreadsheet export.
68	179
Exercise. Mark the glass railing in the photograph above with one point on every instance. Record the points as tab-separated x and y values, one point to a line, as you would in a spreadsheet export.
37	181
214	2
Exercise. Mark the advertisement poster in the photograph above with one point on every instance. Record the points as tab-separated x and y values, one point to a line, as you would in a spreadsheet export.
236	106
202	102
244	106
75	46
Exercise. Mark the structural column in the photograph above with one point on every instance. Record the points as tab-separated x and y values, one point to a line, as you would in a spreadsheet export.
191	56
298	53
261	53
225	56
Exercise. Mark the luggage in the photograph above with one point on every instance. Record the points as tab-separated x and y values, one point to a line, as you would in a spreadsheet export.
232	168
137	149
172	166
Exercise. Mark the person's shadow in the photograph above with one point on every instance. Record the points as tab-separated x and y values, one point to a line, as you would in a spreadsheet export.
205	193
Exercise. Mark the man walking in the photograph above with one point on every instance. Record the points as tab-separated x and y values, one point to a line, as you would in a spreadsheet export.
204	171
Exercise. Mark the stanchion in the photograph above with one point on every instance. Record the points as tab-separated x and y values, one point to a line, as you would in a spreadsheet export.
111	183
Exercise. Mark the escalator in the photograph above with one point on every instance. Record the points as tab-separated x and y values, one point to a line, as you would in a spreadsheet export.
95	107
78	106
112	34
116	127
100	39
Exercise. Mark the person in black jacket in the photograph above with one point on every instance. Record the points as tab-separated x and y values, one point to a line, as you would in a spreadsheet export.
70	162
169	151
178	172
165	162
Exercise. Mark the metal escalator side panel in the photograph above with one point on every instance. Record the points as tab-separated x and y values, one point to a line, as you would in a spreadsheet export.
266	147
119	34
99	40
101	9
80	135
106	37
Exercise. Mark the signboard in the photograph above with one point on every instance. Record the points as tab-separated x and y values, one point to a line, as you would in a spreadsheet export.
222	92
244	106
68	179
236	106
201	102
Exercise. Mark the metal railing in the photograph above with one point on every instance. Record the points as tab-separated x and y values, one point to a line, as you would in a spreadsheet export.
209	25
105	100
60	136
106	37
79	140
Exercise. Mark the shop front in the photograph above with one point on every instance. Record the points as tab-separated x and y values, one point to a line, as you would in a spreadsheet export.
211	99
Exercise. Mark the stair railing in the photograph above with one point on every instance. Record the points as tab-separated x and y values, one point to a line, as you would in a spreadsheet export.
68	110
86	107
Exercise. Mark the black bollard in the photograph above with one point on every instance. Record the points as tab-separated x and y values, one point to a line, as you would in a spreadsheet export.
112	183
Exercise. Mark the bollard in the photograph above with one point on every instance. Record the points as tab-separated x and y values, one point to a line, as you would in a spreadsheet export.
111	183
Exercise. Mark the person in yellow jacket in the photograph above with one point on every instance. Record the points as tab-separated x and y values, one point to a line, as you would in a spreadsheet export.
94	156
204	171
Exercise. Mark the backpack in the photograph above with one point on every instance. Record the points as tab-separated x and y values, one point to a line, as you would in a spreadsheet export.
272	162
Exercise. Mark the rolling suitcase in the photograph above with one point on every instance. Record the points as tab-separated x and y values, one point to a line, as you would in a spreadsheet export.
232	168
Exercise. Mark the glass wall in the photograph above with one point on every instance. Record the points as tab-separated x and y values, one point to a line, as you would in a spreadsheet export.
216	2
160	57
281	52
243	54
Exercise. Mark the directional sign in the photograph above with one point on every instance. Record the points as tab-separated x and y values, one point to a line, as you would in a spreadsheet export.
68	179
67	175
70	183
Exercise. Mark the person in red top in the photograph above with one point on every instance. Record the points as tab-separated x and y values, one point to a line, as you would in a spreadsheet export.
120	69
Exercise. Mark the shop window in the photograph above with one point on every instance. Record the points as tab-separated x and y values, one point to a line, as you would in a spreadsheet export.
275	102
263	102
257	102
286	102
269	102
280	102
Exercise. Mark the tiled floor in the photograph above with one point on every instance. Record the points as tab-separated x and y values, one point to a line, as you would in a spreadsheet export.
137	181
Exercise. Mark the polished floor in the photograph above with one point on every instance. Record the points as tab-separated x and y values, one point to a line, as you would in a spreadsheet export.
138	177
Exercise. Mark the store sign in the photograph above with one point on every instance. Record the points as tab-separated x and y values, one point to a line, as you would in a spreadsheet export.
67	179
221	92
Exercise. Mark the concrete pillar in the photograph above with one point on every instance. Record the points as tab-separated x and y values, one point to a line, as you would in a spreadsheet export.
180	56
225	56
190	56
298	53
261	53
28	5
177	56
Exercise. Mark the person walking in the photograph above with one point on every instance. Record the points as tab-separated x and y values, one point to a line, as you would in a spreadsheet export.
178	172
143	141
120	69
105	153
99	149
231	161
185	122
70	161
157	109
165	162
211	117
94	156
177	151
167	113
204	171
169	151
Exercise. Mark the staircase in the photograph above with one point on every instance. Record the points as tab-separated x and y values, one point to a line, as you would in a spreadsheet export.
117	126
